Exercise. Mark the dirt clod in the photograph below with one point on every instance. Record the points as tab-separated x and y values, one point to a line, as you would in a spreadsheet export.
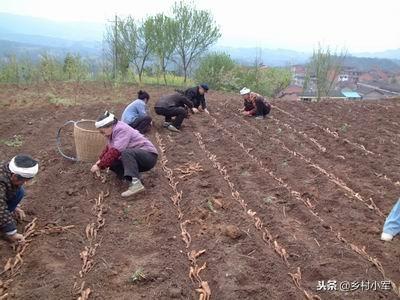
232	231
175	292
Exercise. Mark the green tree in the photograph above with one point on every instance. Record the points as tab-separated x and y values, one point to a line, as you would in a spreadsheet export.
9	70
162	38
28	70
196	30
121	38
49	68
69	65
322	71
276	80
217	69
75	68
142	50
266	81
128	45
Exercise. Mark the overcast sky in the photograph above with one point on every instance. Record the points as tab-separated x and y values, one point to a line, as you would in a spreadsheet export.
358	26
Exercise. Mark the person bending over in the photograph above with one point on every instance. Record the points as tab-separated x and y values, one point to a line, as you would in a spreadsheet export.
127	152
136	114
254	104
174	108
13	175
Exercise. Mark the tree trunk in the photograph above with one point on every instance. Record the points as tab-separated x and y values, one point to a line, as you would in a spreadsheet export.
185	75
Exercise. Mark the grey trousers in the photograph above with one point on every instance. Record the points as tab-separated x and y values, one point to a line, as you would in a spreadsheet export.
132	162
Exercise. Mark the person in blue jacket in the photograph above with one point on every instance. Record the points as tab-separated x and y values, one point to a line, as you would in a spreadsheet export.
136	114
392	223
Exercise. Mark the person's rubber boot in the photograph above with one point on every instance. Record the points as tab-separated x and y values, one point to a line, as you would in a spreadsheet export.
166	124
135	187
386	237
173	128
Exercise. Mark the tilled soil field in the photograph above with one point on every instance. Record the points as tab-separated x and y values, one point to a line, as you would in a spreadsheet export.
290	207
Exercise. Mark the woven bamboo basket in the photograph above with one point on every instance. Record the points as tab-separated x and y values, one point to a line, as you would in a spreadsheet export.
89	142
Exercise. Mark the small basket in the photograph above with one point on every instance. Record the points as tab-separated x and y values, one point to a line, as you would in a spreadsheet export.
89	142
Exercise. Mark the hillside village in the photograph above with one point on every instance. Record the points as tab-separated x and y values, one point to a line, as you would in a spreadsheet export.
350	84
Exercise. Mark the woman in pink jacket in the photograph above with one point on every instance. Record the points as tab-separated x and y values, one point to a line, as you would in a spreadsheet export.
127	152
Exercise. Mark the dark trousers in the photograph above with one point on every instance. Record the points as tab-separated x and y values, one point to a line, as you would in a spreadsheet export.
262	109
13	203
142	124
132	162
180	113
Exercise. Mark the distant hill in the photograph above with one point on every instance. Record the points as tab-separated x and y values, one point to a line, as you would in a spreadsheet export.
282	57
33	51
390	54
270	57
368	63
77	31
29	36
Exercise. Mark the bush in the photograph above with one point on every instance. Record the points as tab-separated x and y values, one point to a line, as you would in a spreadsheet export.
268	82
218	70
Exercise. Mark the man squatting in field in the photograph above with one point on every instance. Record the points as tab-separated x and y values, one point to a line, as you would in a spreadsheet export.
13	176
173	106
254	104
197	96
136	114
127	152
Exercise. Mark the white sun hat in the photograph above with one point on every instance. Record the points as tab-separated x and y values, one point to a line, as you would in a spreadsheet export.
244	91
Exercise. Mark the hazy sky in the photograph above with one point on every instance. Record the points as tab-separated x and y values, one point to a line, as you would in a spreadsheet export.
368	25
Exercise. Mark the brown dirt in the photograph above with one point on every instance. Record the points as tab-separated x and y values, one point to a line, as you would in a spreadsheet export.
277	205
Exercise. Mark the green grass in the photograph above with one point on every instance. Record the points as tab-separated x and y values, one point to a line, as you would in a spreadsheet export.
51	98
137	276
15	142
344	127
210	206
172	80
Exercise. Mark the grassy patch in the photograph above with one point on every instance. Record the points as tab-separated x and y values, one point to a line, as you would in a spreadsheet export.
137	276
344	127
172	80
51	98
15	142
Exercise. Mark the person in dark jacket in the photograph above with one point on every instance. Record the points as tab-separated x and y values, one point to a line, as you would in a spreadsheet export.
13	176
135	114
196	95
174	105
254	104
127	152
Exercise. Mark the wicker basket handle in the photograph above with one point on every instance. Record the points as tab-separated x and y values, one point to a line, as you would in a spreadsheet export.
58	141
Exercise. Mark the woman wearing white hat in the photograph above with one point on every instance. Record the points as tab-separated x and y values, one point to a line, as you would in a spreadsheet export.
13	176
254	104
127	152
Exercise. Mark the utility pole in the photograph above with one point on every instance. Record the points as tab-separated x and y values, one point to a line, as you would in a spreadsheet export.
115	46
